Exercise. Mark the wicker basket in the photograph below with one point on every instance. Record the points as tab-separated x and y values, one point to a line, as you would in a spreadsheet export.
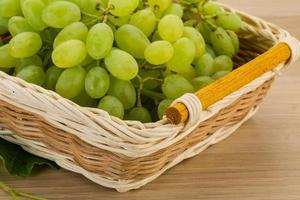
126	155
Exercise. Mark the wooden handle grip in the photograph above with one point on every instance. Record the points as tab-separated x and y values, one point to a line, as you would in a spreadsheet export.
233	81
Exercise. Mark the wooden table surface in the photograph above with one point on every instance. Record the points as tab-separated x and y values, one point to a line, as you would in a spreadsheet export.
260	161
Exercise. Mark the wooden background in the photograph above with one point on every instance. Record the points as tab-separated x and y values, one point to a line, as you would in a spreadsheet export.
260	161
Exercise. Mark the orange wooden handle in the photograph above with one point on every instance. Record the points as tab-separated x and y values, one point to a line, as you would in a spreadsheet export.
233	81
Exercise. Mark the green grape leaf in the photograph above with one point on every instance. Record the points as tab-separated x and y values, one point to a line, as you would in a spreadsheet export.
18	162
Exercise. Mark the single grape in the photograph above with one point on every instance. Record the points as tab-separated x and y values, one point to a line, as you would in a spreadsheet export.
205	31
9	8
190	23
194	35
32	74
91	6
230	21
132	40
145	20
97	82
174	9
112	105
121	64
124	91
25	44
222	43
175	86
18	24
6	60
83	99
52	76
99	41
205	65
163	106
235	40
24	62
60	14
119	21
210	51
74	31
188	73
220	74
3	25
140	114
32	10
184	54
201	82
223	63
122	7
71	82
212	9
160	5
69	54
170	28
159	52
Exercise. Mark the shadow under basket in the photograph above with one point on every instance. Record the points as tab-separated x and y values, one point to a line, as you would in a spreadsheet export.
126	155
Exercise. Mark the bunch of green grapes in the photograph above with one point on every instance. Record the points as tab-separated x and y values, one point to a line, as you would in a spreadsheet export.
131	58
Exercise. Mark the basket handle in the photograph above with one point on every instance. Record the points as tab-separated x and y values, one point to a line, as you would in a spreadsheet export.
233	81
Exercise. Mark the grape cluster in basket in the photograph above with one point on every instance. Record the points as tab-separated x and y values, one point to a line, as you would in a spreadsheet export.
131	58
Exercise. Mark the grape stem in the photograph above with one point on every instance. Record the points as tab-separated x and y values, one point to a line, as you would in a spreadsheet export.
16	194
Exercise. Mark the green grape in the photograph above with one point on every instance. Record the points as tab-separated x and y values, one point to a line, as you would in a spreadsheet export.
194	35
223	63
184	54
122	7
52	76
83	99
205	65
174	9
25	45
212	9
188	73
74	31
145	20
170	28
220	74
87	61
140	114
71	82
69	54
60	14
201	82
205	31
156	37
3	25
230	21
1	42
160	5
32	74
235	40
91	6
210	51
24	62
48	35
175	86
112	105
190	22
222	43
121	64
159	52
119	21
124	91
99	41
32	10
97	82
9	8
163	106
6	60
18	25
132	40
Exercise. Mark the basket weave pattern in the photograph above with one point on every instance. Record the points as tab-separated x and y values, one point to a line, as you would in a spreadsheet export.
127	154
